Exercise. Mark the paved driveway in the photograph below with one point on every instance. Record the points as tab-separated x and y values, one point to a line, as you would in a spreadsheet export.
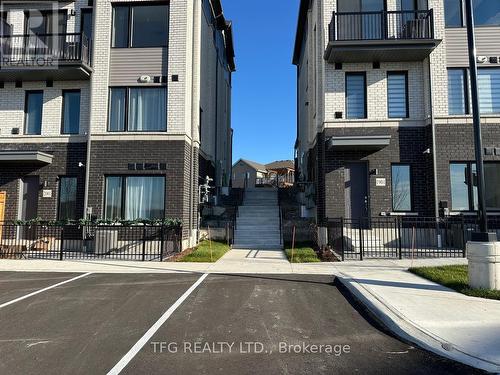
194	324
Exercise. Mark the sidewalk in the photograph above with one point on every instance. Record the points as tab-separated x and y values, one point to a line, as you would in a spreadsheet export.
465	329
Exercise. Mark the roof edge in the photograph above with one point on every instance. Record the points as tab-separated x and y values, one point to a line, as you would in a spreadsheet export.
301	22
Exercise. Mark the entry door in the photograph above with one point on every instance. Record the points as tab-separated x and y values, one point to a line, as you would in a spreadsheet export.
356	190
3	198
29	207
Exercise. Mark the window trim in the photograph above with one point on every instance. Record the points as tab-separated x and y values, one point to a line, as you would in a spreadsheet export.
407	92
130	5
127	95
26	93
412	205
467	98
363	74
123	198
59	178
62	110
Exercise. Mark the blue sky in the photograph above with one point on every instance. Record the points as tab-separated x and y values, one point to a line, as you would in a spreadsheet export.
264	85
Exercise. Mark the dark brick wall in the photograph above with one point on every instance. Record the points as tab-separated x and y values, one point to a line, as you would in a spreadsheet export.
65	163
113	157
455	143
407	146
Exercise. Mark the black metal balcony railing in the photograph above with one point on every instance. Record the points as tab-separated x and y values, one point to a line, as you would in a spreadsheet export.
385	25
44	50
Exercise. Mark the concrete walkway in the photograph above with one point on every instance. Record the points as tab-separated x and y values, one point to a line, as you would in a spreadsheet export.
438	319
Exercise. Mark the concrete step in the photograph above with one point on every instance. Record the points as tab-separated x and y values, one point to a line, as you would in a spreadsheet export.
258	247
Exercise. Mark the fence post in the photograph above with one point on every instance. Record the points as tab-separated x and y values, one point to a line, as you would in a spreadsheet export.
400	240
162	244
464	239
144	242
61	245
342	246
361	247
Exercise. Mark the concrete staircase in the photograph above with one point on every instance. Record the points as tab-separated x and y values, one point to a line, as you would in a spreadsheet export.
258	222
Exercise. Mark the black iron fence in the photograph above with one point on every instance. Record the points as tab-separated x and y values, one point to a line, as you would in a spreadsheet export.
383	25
402	237
44	49
119	242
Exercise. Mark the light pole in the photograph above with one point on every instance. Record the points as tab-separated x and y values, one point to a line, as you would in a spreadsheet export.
482	235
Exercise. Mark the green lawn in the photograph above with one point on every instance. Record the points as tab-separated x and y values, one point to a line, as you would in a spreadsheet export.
202	252
454	277
302	254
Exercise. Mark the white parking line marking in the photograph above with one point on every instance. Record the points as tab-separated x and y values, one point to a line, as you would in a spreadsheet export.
155	327
43	290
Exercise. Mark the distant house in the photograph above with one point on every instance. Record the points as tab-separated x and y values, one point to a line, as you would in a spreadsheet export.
247	173
282	171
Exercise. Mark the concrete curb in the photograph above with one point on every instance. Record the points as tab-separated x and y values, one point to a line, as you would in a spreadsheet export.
411	332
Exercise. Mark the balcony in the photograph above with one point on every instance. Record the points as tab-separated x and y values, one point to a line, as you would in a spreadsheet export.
44	57
381	36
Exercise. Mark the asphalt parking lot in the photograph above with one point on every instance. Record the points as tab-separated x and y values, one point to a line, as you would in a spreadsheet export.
57	323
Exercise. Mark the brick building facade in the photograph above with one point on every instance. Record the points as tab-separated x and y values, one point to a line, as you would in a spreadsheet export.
384	124
104	114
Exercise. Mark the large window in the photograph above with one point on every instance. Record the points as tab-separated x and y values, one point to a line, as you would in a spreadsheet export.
486	13
397	94
140	26
67	198
489	90
137	109
492	178
453	12
33	112
356	95
135	197
464	186
458	92
71	112
401	188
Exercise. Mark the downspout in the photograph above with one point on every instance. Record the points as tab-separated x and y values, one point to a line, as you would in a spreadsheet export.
434	144
194	179
89	130
216	162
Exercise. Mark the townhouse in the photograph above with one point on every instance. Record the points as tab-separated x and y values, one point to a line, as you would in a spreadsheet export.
113	109
384	120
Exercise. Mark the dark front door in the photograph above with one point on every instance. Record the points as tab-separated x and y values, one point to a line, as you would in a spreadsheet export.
356	191
29	208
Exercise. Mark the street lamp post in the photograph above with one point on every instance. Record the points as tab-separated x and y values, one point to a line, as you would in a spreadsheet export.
482	235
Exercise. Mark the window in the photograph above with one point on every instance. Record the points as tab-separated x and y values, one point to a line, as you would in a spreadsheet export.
458	92
138	109
71	112
140	26
397	94
356	95
33	113
492	182
486	12
463	186
401	188
489	90
453	13
67	198
86	26
135	197
46	22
